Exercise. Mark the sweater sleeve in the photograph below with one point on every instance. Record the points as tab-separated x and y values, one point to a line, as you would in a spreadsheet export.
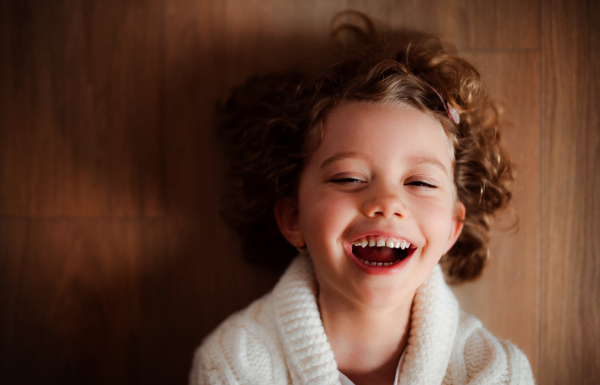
206	369
492	361
480	358
518	365
242	350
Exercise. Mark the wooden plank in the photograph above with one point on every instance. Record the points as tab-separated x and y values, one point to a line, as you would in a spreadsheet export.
505	297
569	185
80	111
502	24
82	301
471	24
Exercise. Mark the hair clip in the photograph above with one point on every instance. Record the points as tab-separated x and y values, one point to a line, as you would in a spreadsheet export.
450	111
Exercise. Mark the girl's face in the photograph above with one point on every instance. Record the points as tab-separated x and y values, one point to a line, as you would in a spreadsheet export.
381	175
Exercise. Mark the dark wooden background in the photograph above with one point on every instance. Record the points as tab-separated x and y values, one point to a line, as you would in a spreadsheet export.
114	262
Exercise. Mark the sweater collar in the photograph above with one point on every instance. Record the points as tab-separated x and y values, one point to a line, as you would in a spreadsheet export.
434	321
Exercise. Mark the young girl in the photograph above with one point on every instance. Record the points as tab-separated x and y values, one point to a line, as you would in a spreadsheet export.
374	170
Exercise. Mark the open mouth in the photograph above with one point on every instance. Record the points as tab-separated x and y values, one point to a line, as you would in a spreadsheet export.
381	251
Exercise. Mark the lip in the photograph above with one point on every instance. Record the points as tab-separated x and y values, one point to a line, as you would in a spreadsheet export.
379	270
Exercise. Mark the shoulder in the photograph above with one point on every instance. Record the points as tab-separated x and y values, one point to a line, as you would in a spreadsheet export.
479	357
243	349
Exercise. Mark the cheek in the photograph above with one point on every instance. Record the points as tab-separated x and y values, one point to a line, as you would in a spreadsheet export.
321	215
324	219
436	221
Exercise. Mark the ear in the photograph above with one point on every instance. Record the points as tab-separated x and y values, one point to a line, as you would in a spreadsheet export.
458	222
286	213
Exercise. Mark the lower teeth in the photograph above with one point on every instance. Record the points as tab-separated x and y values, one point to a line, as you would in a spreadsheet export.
378	263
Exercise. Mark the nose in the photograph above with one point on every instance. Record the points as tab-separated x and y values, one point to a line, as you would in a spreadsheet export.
387	204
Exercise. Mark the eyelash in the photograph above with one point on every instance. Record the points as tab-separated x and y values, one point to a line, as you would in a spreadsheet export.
347	181
420	183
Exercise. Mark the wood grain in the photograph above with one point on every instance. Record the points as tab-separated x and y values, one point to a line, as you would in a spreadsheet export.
569	185
507	291
472	24
498	24
80	111
82	301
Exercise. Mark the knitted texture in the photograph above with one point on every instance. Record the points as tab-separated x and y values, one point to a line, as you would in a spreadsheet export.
430	340
280	339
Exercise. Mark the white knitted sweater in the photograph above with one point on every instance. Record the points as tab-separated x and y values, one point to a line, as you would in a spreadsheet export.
280	339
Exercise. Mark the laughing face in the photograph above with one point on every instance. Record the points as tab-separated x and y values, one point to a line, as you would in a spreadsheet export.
376	204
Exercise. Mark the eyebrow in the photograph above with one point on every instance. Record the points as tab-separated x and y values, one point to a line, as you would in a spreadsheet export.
340	156
432	161
355	154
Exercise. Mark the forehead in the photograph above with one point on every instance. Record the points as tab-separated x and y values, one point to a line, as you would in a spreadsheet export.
381	131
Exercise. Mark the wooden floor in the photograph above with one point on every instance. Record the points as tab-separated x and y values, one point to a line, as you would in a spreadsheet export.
114	262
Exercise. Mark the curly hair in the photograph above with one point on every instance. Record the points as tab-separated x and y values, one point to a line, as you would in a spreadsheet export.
273	122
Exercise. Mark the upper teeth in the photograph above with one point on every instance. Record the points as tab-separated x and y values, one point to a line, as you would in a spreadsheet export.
382	242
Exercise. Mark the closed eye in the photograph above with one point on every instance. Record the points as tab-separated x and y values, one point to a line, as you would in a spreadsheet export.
420	183
347	180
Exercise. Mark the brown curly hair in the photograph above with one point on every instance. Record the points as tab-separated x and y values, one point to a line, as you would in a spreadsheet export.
273	122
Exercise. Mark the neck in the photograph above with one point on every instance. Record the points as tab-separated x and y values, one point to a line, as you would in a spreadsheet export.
367	342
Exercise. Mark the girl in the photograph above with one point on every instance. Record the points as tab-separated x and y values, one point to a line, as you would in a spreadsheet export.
375	171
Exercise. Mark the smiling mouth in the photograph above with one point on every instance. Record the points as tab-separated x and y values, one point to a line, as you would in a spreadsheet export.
381	251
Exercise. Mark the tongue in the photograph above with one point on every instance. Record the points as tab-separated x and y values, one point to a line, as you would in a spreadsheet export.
375	254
